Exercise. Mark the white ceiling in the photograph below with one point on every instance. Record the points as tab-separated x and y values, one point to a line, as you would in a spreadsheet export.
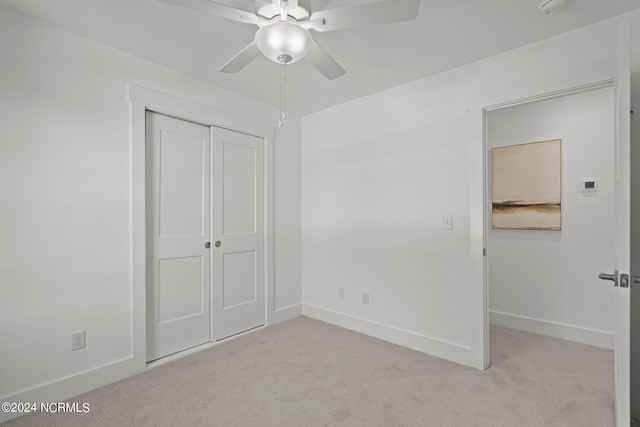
446	34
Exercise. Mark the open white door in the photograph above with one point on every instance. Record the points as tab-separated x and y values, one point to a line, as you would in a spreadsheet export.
621	277
623	235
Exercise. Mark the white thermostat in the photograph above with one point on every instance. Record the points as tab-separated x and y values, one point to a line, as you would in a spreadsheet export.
589	185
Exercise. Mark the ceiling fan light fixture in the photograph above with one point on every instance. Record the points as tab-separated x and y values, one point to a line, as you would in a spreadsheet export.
279	40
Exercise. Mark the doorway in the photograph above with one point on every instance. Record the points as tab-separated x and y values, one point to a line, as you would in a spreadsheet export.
205	234
546	282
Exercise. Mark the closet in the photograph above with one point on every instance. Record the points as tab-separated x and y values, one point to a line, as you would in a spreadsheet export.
205	234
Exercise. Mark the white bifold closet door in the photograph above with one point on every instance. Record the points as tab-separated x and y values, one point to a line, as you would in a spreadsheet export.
178	300
204	283
238	230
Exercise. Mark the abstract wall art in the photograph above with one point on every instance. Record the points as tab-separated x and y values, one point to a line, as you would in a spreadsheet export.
527	186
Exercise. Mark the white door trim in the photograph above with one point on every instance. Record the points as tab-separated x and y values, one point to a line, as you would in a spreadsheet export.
141	100
588	76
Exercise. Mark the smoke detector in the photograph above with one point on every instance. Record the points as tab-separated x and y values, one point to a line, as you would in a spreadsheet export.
547	7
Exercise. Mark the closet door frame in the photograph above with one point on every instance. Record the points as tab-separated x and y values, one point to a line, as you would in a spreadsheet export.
143	100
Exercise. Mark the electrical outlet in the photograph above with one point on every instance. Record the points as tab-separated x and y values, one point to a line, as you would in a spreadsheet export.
341	293
78	340
365	297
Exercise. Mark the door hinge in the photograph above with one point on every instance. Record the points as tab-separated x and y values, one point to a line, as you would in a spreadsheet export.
484	251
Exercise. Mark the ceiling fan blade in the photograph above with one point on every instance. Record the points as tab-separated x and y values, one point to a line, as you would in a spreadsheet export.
242	59
311	25
323	62
216	9
381	12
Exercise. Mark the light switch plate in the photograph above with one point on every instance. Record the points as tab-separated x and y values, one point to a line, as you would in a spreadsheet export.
447	222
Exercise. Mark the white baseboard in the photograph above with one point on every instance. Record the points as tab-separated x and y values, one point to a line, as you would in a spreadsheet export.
285	313
553	329
445	350
73	385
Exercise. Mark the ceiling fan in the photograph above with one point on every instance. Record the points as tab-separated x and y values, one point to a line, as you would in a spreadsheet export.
283	28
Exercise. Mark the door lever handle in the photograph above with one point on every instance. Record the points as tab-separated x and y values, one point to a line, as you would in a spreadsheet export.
612	277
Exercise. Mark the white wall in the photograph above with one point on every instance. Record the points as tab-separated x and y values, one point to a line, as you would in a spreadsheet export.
65	199
288	217
378	174
544	281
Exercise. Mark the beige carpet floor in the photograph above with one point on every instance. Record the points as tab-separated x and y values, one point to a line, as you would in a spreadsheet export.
308	373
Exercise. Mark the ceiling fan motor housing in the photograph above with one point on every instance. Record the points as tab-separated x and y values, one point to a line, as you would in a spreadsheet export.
269	9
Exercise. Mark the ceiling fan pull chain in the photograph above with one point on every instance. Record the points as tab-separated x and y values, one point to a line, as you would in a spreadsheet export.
281	90
284	91
283	94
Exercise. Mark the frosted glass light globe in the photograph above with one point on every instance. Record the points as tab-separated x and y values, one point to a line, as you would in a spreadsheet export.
281	39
